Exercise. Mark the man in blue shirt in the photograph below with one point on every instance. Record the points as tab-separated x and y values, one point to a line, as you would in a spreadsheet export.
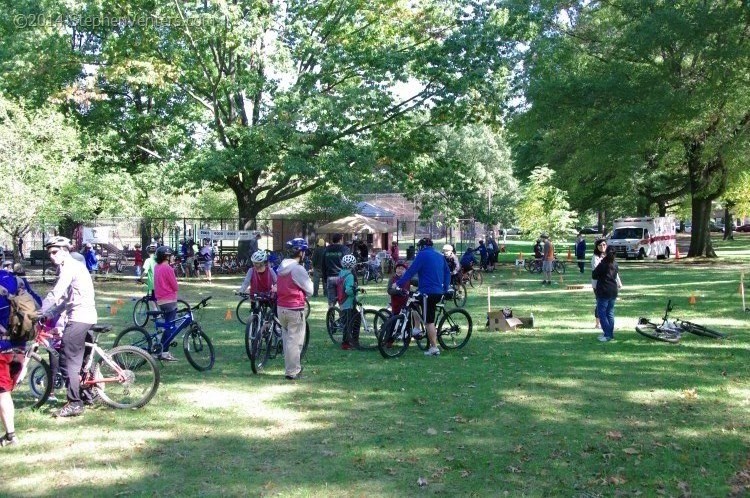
11	360
434	281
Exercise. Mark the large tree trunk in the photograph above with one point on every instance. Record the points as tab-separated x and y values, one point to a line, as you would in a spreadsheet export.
700	238
728	224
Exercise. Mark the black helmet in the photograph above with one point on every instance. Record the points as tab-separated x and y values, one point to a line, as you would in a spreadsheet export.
163	253
424	241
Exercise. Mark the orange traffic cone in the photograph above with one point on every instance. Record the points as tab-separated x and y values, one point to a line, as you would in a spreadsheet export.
570	256
692	299
120	302
676	251
228	314
113	310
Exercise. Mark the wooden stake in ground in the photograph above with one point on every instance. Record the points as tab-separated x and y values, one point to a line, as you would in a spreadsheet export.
742	289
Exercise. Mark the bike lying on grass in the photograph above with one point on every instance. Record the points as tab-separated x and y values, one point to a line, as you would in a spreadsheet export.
671	330
122	377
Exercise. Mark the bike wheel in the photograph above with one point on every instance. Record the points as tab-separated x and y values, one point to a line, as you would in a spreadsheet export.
50	275
306	343
135	336
33	389
558	267
334	326
198	348
394	337
700	330
307	309
369	329
244	310
252	329
459	296
454	329
476	279
140	309
132	384
261	351
653	331
378	278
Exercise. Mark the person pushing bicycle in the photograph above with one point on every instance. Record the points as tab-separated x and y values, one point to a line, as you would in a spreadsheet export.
73	293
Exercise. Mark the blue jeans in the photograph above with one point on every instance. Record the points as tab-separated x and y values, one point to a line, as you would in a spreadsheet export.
605	309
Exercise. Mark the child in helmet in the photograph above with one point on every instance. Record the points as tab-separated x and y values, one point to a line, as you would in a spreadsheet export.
165	291
260	278
348	313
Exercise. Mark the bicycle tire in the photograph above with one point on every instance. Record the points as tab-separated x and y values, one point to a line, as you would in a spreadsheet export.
244	311
260	352
423	342
138	367
50	275
558	267
196	344
476	276
253	325
306	342
454	329
459	296
700	330
32	391
135	336
653	331
378	278
369	329
334	326
141	306
307	309
395	334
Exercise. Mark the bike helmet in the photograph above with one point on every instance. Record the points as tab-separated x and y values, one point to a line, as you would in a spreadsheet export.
447	248
400	263
58	241
424	241
348	261
297	245
151	249
163	253
259	256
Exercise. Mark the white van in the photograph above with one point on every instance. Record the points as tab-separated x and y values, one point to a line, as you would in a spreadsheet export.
643	237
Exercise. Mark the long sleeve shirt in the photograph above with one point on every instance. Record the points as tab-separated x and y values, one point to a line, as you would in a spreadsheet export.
74	291
165	284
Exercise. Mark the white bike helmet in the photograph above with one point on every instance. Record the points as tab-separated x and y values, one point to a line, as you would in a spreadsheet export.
57	241
259	256
447	248
348	261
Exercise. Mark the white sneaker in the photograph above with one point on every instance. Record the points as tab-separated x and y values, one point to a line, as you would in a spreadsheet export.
433	351
601	338
416	333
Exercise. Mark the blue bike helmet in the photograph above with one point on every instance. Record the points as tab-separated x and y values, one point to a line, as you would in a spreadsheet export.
295	246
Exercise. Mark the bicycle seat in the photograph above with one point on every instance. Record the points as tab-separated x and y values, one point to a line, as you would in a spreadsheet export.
101	329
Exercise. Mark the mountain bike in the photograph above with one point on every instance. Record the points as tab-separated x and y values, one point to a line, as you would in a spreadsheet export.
472	276
459	294
147	303
197	346
671	330
122	377
454	328
368	321
263	340
245	308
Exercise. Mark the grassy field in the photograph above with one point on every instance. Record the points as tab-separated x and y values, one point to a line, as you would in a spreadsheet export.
543	412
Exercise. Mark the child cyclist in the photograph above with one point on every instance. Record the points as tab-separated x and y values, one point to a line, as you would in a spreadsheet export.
399	296
260	278
348	313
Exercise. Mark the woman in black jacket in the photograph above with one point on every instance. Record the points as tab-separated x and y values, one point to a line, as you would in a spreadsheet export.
607	285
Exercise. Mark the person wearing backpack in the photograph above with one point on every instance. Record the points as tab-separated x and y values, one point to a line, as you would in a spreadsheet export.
73	293
11	359
332	266
346	293
293	284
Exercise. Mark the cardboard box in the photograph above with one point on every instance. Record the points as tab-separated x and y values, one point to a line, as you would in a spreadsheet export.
500	323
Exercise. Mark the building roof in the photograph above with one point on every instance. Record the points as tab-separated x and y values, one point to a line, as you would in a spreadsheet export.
373	211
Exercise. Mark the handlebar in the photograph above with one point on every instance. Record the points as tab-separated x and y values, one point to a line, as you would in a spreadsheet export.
202	303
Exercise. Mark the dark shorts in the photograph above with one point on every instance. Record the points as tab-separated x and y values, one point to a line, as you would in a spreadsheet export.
429	305
10	367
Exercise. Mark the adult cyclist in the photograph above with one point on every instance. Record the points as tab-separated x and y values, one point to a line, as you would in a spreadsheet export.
434	282
73	293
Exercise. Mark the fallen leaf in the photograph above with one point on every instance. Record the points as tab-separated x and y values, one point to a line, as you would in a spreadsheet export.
616	480
465	473
690	393
614	435
630	451
422	482
513	470
431	431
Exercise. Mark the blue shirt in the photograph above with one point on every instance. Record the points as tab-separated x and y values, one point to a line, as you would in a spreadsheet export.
433	272
7	280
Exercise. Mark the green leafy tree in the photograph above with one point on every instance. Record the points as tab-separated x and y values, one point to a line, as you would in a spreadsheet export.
648	98
275	100
544	207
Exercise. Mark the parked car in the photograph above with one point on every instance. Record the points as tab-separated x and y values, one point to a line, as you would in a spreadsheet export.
715	227
588	230
743	228
512	231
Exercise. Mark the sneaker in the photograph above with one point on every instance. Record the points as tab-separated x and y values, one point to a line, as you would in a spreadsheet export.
416	333
433	351
295	377
602	338
52	399
389	345
167	356
70	410
346	346
9	441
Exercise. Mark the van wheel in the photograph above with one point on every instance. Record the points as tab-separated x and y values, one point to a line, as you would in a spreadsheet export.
641	254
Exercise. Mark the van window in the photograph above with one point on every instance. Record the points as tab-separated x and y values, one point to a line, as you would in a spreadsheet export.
645	234
627	233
